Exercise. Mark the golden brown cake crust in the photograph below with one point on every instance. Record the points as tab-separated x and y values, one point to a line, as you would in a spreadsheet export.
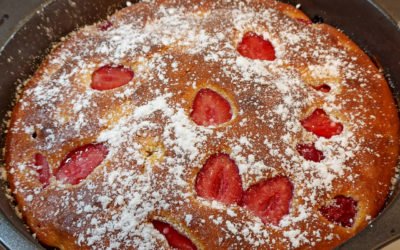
176	48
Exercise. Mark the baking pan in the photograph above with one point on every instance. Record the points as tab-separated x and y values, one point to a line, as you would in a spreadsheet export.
22	50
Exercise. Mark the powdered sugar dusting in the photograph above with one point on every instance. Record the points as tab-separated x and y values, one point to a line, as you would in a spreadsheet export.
156	150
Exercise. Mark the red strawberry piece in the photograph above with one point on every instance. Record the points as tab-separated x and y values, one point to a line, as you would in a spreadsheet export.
79	163
254	46
43	169
219	180
110	77
305	21
341	210
323	88
105	25
210	108
320	124
269	199
309	152
175	239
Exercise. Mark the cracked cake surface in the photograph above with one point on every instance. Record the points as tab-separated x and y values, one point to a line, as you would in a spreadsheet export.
195	124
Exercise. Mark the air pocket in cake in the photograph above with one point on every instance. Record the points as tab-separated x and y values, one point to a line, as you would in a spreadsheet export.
269	199
219	180
110	77
175	239
254	46
152	149
321	124
80	162
210	108
341	210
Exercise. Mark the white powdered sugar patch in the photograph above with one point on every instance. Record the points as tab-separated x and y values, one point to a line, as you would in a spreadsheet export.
188	137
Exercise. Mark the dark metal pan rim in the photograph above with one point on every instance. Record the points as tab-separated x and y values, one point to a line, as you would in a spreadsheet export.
23	22
382	11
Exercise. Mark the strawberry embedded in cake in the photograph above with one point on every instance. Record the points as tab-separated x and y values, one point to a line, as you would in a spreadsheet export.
105	25
309	152
341	210
210	108
269	199
43	169
325	88
175	239
304	21
80	162
219	180
254	46
321	124
111	77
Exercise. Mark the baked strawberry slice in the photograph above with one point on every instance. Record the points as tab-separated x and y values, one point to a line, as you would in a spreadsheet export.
174	238
210	108
320	124
219	180
304	21
105	25
269	199
309	152
80	162
254	46
43	169
341	210
110	77
323	88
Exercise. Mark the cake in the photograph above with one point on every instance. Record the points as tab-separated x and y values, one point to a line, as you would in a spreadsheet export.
201	124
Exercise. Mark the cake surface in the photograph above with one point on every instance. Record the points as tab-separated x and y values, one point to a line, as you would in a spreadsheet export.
203	124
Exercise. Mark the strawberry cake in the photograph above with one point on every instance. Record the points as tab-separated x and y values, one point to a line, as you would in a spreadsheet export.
202	124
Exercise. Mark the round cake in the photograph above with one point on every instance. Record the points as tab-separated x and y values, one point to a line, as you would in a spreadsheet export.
202	124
